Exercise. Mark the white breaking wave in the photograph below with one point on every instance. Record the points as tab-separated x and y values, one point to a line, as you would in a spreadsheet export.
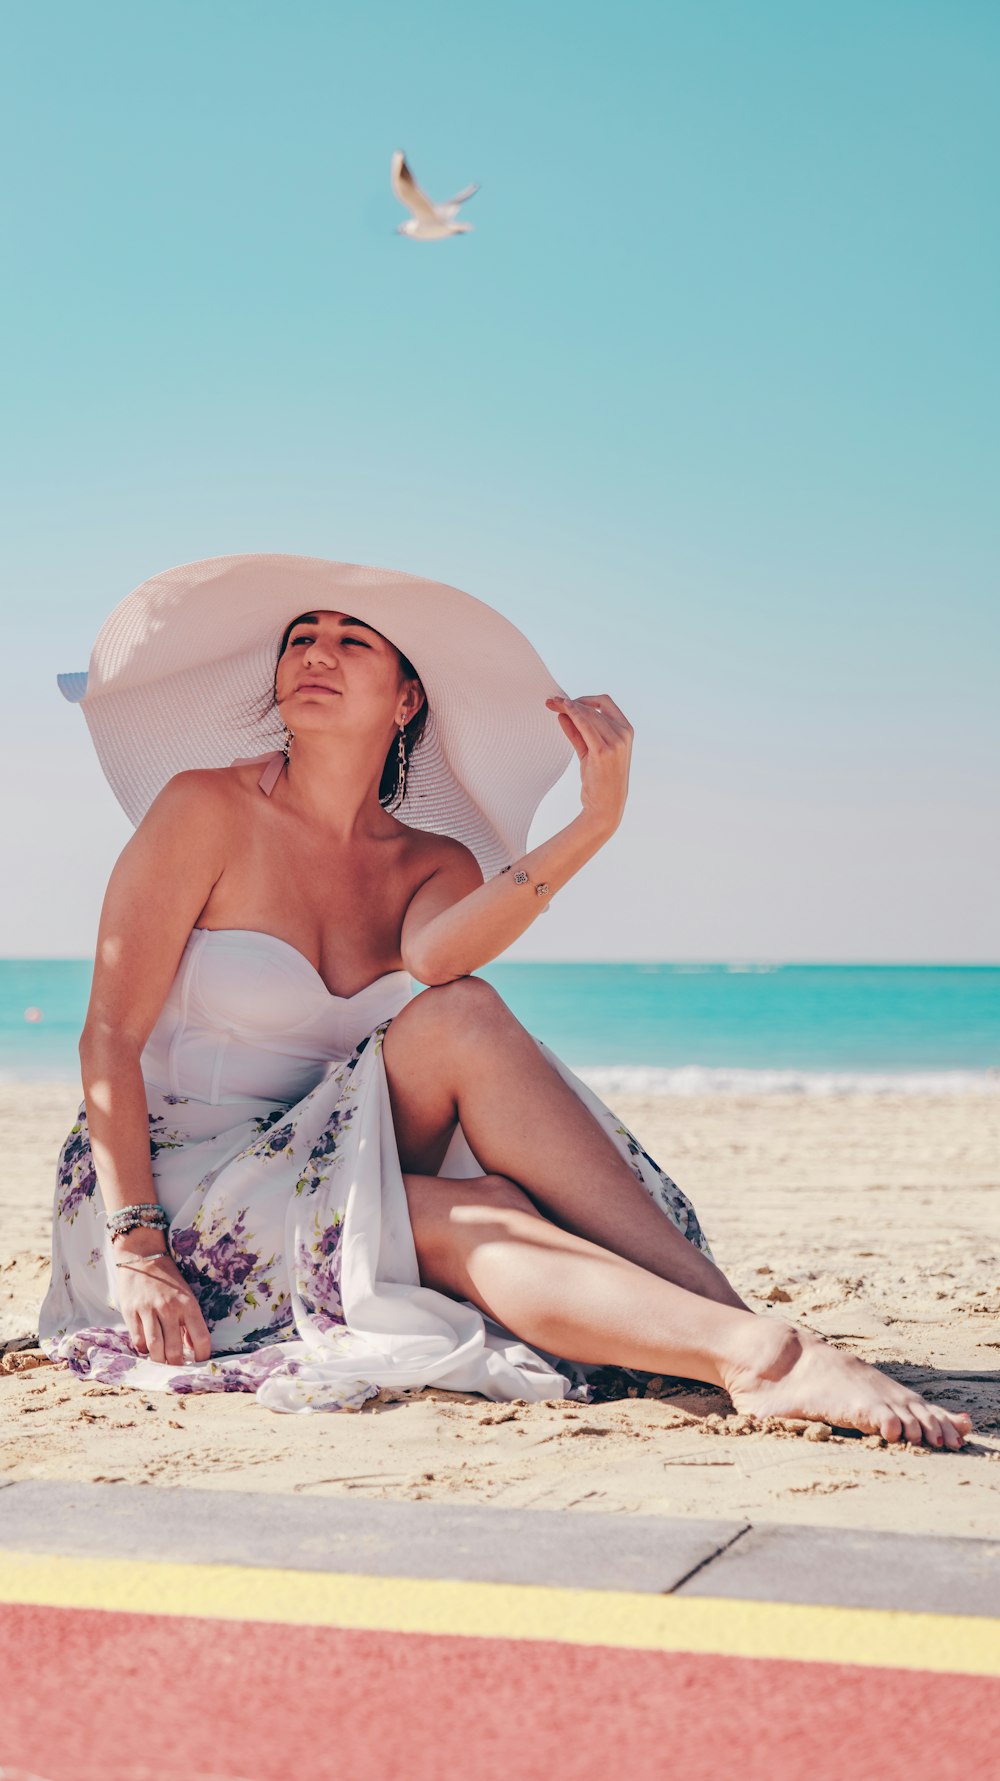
608	1080
698	1079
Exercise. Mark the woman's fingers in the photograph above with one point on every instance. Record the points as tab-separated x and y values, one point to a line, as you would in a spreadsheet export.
195	1330
152	1333
170	1347
162	1330
176	1351
591	720
605	704
602	703
570	730
182	1321
603	742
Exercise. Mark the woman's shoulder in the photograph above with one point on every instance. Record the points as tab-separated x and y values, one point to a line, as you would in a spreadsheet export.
434	851
201	794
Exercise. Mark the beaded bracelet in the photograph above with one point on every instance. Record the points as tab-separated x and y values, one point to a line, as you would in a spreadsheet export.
521	877
145	1214
151	1207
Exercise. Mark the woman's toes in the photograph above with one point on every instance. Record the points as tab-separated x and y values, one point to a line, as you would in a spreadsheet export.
954	1428
890	1427
913	1430
930	1423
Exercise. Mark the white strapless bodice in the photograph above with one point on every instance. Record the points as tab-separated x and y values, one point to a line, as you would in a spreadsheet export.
248	1017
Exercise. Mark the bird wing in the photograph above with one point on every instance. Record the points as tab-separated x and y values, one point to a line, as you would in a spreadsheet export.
408	192
449	208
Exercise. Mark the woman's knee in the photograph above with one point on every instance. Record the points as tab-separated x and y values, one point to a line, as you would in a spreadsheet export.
444	1009
451	1217
444	1200
502	1194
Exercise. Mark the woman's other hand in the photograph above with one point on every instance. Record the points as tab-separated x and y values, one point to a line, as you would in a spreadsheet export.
160	1310
602	736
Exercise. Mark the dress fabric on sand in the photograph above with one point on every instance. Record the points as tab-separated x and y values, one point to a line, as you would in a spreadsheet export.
274	1154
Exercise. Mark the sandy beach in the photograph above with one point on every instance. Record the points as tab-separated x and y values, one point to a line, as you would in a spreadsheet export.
871	1218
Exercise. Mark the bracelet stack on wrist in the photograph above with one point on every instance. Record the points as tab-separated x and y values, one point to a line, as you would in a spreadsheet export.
521	877
140	1215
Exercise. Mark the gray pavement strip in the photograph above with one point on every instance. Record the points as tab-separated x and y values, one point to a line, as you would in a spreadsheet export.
472	1543
653	1555
855	1568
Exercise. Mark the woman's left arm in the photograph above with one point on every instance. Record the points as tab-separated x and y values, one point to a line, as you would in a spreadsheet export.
456	922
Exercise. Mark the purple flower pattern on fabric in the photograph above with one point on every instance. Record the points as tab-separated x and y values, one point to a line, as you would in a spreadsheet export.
277	1141
99	1353
223	1269
323	1156
317	1274
243	1372
160	1138
266	1120
258	1235
75	1173
672	1198
76	1176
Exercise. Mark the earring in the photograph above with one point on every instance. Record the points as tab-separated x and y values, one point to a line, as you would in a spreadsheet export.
401	765
287	744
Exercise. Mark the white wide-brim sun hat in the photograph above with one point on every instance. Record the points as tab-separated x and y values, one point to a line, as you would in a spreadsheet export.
182	671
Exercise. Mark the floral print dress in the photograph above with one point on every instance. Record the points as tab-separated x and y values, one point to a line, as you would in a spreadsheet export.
274	1155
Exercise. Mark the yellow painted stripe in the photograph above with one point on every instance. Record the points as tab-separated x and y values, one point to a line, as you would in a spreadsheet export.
957	1644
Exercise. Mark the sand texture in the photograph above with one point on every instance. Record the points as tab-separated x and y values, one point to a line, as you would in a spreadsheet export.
873	1219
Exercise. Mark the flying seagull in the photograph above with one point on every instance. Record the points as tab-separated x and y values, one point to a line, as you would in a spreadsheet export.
429	222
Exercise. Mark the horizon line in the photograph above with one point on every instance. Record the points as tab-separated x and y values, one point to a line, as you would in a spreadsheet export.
736	960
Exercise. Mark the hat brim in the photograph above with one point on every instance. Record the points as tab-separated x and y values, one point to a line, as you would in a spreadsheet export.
72	686
180	676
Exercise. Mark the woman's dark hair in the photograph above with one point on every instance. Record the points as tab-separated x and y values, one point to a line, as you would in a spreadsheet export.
412	731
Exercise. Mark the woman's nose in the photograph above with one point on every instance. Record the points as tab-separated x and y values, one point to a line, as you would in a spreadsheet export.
317	652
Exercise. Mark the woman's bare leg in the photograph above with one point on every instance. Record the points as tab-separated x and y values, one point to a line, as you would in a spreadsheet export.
456	1052
483	1239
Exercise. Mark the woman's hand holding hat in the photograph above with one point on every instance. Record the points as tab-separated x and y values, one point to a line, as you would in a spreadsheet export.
602	736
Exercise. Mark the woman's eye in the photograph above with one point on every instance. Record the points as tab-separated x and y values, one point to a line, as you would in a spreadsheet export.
307	638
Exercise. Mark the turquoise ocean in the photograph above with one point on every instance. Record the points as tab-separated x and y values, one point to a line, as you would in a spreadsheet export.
658	1028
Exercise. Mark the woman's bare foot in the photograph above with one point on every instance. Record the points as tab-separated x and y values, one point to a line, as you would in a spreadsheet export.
786	1371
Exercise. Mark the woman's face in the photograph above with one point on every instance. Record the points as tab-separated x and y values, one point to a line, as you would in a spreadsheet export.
334	670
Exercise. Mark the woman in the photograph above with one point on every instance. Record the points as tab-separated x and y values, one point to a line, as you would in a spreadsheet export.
313	1181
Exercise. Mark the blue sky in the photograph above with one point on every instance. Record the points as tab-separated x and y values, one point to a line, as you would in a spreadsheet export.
707	404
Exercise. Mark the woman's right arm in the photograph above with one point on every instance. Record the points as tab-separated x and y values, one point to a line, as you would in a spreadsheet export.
158	888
